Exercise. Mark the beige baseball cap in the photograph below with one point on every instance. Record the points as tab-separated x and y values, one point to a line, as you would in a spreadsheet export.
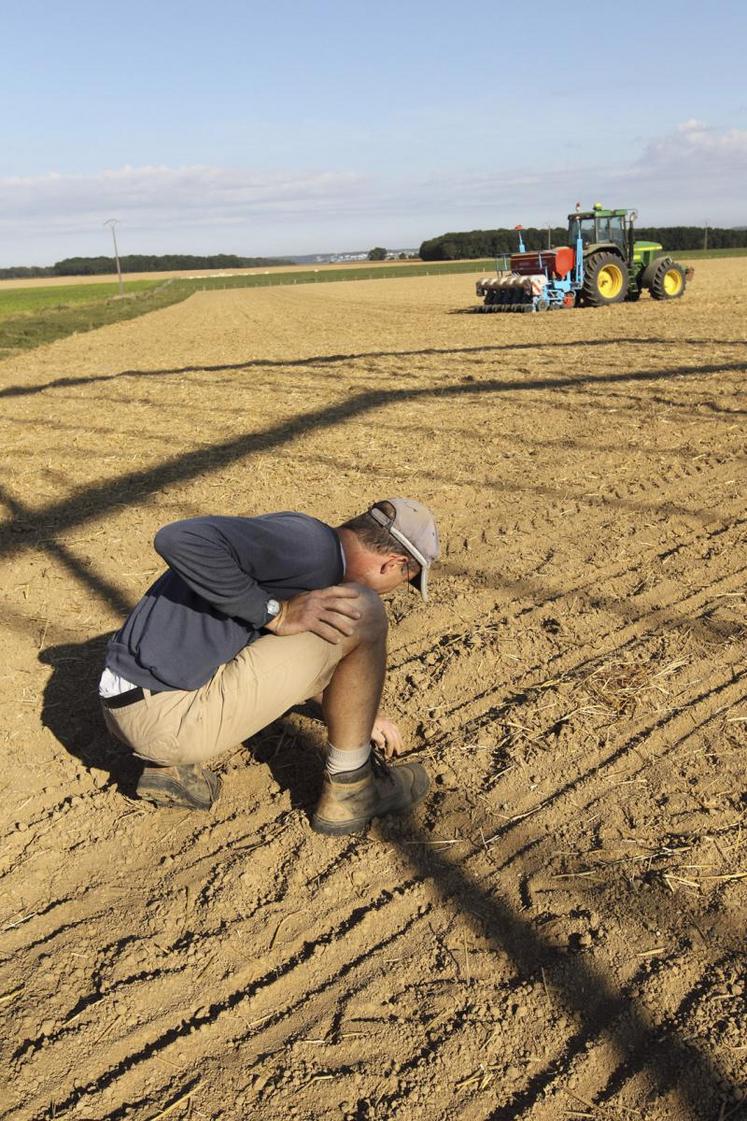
414	527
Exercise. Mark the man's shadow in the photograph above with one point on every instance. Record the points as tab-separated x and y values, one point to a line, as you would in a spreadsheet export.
72	711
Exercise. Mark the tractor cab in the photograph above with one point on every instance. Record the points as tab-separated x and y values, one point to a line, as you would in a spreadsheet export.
612	229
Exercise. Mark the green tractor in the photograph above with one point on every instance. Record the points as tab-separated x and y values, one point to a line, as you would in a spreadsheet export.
615	266
602	264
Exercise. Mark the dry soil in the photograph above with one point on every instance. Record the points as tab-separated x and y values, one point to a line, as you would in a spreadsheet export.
558	932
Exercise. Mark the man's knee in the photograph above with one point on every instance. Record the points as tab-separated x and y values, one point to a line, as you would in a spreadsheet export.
372	625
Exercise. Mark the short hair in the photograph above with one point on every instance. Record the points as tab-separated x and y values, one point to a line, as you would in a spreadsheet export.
375	537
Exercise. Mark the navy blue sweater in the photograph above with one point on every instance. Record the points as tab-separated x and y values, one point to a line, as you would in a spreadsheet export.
212	601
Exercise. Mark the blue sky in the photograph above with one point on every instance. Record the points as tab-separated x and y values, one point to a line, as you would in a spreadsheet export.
270	128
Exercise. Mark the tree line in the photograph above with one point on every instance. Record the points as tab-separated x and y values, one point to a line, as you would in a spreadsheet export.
139	262
496	243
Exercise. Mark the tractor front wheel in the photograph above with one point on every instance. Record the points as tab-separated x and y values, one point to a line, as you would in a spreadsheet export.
605	280
668	282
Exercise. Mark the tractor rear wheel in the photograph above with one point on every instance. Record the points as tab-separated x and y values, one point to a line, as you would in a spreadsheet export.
605	280
668	282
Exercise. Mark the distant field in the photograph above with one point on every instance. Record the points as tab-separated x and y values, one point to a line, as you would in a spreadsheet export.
708	254
45	310
31	316
370	268
285	274
323	274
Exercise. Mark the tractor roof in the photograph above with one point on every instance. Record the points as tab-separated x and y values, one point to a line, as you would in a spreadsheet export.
599	212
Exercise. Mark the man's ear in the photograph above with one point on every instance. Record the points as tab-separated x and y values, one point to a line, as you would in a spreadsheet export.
393	560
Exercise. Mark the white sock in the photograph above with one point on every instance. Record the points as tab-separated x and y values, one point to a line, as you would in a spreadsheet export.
347	760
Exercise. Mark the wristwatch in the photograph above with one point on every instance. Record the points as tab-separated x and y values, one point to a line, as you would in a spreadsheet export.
273	610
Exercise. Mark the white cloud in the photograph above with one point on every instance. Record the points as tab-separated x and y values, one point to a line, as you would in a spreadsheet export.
694	147
169	195
692	173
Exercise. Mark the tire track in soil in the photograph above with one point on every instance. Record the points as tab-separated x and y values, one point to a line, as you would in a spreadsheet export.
639	628
601	576
731	685
653	495
614	1024
583	1048
733	690
672	612
413	1063
680	995
161	900
80	915
278	975
564	667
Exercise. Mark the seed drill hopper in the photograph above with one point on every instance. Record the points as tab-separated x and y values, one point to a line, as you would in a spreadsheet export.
603	264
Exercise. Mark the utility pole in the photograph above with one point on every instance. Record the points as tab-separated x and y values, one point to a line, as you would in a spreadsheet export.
549	235
112	222
705	235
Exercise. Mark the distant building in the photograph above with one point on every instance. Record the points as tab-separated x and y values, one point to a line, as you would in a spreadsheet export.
348	258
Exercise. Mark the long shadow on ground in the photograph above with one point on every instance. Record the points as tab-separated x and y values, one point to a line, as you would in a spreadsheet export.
353	356
672	1062
134	486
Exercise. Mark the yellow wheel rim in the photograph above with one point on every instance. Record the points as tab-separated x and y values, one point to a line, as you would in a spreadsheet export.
610	281
672	282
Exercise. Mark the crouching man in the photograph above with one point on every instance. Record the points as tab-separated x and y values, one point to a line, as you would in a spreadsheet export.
254	616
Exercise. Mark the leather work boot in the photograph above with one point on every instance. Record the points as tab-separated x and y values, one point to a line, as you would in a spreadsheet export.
349	801
182	787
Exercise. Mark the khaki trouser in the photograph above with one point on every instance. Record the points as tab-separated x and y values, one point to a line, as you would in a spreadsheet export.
243	696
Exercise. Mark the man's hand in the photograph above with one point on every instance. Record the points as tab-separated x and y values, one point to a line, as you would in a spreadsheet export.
330	613
387	737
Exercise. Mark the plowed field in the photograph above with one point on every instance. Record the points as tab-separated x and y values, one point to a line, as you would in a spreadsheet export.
558	932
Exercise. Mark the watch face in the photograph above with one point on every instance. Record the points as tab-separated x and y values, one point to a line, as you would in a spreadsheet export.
273	608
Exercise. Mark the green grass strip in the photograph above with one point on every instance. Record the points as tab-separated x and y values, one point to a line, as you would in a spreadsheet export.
705	254
22	301
32	329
